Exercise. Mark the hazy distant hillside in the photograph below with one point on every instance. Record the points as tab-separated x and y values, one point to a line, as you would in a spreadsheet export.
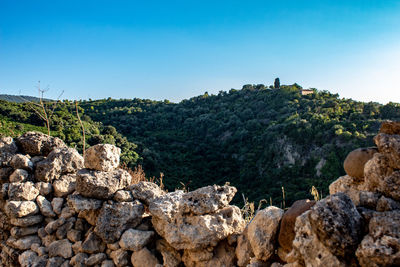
21	98
258	139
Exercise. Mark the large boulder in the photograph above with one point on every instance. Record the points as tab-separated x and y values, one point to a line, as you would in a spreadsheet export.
146	191
102	157
356	159
381	247
101	185
59	161
337	223
35	143
263	231
286	232
200	231
115	218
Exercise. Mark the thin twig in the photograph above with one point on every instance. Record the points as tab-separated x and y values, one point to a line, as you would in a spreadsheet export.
83	129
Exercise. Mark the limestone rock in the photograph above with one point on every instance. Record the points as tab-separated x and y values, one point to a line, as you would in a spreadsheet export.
171	257
22	191
80	203
95	259
5	173
101	185
26	221
27	258
348	185
381	247
123	196
19	175
135	240
387	204
54	225
57	204
23	243
263	230
79	259
65	185
286	232
389	145
243	249
146	191
35	143
107	263
20	161
91	216
7	145
193	232
74	235
59	161
61	248
120	257
18	232
337	223
93	244
45	206
207	199
166	207
222	255
44	188
114	219
17	209
355	161
143	257
308	248
102	157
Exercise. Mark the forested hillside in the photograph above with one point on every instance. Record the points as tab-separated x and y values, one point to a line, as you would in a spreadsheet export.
260	140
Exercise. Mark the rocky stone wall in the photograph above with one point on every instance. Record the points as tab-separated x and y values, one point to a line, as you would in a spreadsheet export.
60	209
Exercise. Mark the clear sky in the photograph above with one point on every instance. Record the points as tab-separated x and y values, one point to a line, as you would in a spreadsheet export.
179	49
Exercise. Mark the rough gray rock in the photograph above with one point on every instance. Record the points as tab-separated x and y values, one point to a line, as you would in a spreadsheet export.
80	203
35	143
19	175
44	188
22	191
146	191
337	223
65	185
61	248
389	145
59	161
143	257
17	209
57	204
7	149
95	259
387	204
102	157
200	231
45	206
93	244
20	161
381	247
120	257
26	221
263	232
171	257
18	232
101	185
123	196
27	258
135	240
24	242
114	219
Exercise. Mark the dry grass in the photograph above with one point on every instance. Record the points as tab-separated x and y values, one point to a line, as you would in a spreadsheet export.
138	175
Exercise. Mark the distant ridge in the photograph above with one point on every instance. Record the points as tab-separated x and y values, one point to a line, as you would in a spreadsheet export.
21	98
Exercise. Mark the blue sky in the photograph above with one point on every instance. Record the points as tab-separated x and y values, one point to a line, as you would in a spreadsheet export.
179	49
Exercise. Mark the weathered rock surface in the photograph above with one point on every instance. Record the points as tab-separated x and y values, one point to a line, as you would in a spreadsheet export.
35	143
114	219
143	257
263	231
22	191
61	248
337	223
389	146
16	209
381	247
102	157
146	191
65	185
20	161
135	240
171	257
59	161
19	175
101	185
286	232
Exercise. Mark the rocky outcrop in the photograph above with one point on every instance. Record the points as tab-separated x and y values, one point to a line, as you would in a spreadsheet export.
60	209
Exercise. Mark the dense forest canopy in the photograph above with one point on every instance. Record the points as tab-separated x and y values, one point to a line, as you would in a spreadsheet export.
260	139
